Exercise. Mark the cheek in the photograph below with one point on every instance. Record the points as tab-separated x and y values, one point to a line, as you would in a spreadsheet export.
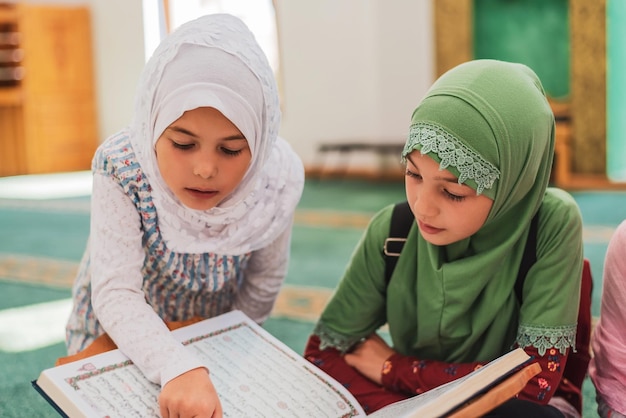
241	167
162	162
478	215
160	154
167	164
409	191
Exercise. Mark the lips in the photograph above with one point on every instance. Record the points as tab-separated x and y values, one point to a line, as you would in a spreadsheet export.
428	229
203	194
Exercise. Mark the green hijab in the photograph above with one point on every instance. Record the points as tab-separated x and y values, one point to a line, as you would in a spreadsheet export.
489	123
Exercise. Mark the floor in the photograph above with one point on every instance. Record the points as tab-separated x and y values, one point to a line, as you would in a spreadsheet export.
43	230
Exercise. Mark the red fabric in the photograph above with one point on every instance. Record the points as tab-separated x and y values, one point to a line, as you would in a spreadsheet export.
576	368
413	376
370	395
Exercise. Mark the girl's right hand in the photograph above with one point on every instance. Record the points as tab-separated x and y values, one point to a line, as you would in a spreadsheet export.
191	394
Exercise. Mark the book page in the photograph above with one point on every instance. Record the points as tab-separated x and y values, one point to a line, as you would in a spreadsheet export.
254	374
267	377
408	407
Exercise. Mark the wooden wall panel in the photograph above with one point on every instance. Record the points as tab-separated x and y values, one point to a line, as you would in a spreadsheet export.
48	119
453	33
588	90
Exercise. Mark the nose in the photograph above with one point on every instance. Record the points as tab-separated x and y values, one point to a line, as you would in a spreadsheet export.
424	204
205	167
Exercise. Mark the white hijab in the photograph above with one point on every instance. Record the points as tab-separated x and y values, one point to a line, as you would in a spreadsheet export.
214	61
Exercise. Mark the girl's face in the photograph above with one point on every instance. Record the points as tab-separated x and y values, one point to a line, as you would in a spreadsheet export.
202	156
445	210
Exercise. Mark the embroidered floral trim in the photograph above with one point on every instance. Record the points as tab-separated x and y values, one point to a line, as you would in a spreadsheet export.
452	152
545	338
332	339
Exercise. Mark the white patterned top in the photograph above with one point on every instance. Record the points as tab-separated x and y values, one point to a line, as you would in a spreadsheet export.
135	265
150	258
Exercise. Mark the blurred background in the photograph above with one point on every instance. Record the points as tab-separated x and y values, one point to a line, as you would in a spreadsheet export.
350	73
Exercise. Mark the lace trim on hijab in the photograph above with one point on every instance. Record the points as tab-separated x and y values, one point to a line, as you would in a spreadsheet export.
452	152
332	339
544	338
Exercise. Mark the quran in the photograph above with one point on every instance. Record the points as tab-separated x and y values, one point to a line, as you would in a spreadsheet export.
255	374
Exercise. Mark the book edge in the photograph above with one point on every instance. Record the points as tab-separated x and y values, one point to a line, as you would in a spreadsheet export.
458	395
44	394
513	359
509	387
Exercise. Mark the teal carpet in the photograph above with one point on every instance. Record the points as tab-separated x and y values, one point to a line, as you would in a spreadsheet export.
38	239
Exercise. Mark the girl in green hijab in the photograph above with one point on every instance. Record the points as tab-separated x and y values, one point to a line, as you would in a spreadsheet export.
478	161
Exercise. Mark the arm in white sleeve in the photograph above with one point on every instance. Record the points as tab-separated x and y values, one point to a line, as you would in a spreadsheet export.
264	277
117	257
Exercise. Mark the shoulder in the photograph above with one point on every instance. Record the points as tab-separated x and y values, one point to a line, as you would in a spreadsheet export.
375	233
380	222
560	222
115	158
116	150
559	210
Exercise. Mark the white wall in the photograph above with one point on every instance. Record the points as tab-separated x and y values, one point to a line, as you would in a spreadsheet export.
119	58
350	69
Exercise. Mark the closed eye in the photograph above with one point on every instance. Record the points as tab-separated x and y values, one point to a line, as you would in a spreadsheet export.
409	173
446	193
453	197
180	146
231	152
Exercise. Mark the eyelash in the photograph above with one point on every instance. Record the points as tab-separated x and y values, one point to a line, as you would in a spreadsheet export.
186	147
183	147
230	152
446	193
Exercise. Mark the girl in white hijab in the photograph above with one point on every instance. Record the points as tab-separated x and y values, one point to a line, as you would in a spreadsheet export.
192	208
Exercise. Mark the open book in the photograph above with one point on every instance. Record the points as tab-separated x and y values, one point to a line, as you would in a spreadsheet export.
254	374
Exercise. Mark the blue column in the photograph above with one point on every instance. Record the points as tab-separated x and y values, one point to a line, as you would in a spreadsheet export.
616	90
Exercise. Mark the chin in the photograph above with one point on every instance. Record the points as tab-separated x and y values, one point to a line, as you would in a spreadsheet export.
198	205
203	207
436	240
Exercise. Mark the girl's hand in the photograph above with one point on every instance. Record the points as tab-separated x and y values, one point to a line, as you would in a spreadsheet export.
191	394
369	356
